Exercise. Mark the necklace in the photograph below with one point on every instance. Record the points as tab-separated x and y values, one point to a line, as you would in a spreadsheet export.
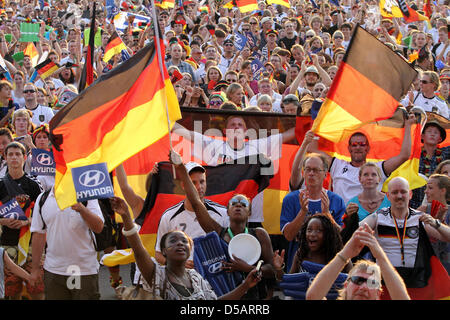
401	240
231	233
180	283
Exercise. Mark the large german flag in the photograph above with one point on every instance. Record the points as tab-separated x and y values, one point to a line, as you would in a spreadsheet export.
368	85
381	133
115	45
122	113
165	191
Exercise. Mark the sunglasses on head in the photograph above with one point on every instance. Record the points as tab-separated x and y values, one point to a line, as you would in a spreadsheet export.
361	144
244	202
371	282
215	103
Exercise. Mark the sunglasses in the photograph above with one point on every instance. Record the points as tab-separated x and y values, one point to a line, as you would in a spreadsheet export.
371	283
244	202
246	30
337	37
29	91
425	81
361	144
253	22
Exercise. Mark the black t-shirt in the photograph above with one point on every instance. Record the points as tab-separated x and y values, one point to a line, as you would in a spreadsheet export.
32	187
330	30
289	43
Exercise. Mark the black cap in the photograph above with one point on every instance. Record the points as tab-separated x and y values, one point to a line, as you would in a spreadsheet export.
436	124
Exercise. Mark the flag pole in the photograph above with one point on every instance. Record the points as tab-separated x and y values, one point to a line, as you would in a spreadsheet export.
160	59
161	69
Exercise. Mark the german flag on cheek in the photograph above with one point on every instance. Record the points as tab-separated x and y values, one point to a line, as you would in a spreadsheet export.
368	86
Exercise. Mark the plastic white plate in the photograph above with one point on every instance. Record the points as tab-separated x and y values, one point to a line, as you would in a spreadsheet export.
245	247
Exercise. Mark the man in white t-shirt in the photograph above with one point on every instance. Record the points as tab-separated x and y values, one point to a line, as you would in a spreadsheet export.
71	266
345	174
182	216
265	87
216	151
41	114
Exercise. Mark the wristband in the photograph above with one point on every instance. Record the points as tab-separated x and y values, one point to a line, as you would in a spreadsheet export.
342	258
437	224
130	232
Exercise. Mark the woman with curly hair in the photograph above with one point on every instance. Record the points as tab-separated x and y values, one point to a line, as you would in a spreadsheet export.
319	241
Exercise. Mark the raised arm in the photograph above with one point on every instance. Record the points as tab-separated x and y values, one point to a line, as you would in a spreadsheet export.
143	258
327	276
393	281
296	178
182	131
134	200
207	223
393	163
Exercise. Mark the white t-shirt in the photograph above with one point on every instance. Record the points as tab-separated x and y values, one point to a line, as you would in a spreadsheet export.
69	240
276	104
178	218
346	179
41	115
434	104
215	152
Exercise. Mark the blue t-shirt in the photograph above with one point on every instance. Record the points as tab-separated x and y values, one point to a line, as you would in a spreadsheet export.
291	207
363	213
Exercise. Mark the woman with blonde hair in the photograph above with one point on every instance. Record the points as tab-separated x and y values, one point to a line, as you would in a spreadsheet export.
437	194
265	103
213	75
19	83
21	123
235	93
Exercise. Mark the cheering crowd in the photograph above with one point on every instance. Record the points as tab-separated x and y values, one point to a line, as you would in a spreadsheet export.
270	59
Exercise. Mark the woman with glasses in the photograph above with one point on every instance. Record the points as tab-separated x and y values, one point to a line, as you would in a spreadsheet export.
338	38
238	210
364	279
216	100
